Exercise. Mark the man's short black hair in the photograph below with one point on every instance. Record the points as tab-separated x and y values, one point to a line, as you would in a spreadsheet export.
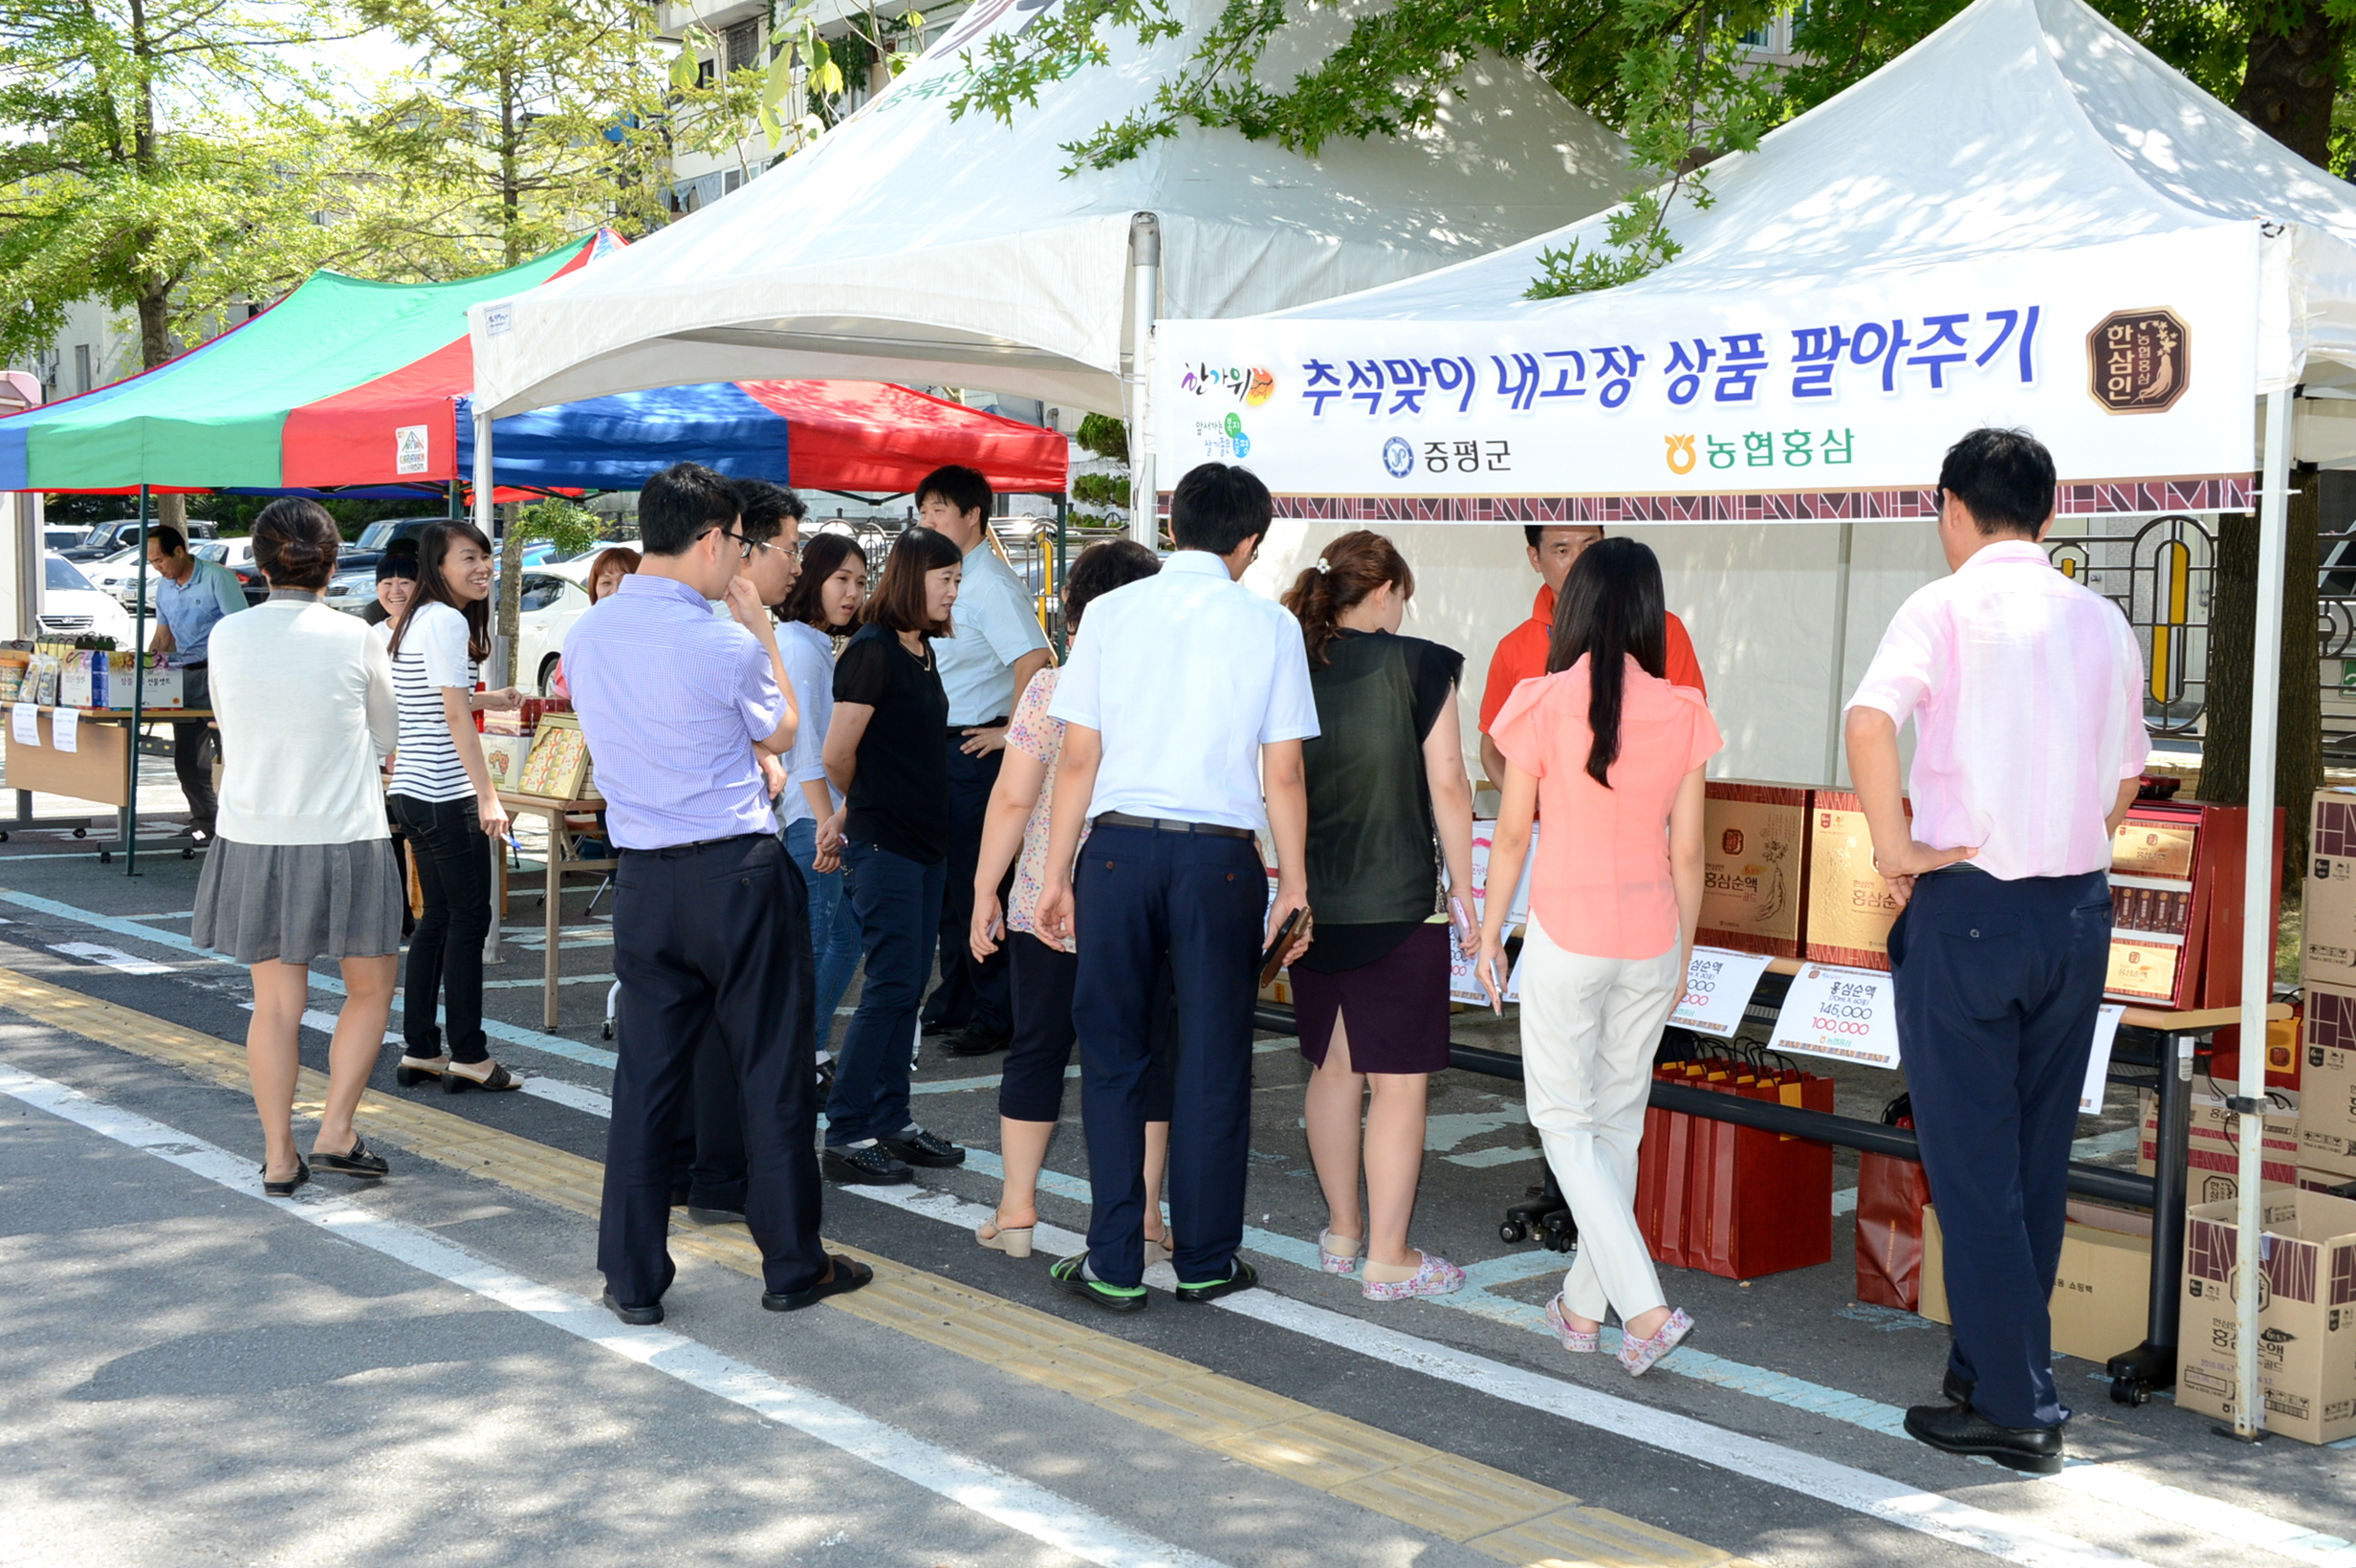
765	508
2003	477
1218	506
168	536
1535	533
681	503
961	487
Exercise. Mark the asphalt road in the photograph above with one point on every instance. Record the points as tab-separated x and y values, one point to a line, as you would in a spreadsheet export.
411	1372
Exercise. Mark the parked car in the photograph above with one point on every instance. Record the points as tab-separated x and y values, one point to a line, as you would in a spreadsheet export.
117	576
70	607
237	554
552	601
354	586
101	542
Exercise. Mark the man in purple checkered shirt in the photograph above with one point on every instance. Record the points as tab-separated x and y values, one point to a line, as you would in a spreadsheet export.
711	920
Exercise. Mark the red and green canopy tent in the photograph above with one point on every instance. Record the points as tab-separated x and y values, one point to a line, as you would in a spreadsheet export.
359	387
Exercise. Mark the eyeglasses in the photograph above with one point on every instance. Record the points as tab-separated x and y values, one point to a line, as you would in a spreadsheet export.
744	546
793	551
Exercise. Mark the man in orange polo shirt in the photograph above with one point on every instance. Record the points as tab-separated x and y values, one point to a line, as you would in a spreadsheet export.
1522	652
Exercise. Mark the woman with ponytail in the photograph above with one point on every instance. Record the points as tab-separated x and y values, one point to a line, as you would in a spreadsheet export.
1615	756
1389	811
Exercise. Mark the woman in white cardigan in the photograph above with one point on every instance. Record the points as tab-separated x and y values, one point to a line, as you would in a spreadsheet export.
302	866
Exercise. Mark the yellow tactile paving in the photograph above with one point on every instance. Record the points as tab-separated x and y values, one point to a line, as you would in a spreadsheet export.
1507	1517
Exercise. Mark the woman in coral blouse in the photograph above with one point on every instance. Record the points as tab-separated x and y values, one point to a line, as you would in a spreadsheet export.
1615	754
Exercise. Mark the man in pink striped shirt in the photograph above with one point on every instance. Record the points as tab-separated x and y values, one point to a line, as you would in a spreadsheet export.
2026	693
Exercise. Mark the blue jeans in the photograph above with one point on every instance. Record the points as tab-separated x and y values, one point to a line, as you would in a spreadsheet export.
833	928
898	905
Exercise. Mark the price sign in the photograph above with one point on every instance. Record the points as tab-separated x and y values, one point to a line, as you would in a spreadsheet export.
2098	1062
25	723
1847	1014
1463	985
65	729
1719	984
1518	912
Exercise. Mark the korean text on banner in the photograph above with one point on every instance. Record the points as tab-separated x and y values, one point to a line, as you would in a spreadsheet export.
2131	359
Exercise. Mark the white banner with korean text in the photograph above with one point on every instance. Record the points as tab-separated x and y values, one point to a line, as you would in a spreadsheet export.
2136	362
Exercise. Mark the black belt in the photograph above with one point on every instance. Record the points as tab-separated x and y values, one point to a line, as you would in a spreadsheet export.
1169	824
957	732
698	846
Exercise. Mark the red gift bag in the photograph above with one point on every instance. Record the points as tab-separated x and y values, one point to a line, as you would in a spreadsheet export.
1891	1195
1755	1202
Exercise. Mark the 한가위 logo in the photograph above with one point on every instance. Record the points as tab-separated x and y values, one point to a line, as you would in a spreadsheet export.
1398	457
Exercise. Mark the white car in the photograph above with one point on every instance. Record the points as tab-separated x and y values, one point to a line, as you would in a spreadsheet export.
70	607
117	575
553	600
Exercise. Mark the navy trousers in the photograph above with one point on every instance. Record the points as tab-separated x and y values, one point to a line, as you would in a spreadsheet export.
1998	984
970	996
1198	902
711	936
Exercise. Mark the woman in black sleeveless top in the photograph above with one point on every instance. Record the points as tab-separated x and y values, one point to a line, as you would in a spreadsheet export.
1390	810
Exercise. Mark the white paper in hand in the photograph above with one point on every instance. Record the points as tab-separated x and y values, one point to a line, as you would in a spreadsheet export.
1718	984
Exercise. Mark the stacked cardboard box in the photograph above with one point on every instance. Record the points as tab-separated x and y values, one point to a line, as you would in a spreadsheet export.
2327	967
2307	1353
2101	1293
2214	1153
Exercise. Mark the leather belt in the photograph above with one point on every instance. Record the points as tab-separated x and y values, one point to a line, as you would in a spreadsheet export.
698	845
1168	824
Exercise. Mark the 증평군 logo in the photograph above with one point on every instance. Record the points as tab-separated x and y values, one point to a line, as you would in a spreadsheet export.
1398	457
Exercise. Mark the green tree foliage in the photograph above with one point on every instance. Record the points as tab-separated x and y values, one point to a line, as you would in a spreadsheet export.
169	158
1676	78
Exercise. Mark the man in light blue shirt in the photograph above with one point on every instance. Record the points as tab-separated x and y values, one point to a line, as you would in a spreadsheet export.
191	596
711	918
1185	708
998	647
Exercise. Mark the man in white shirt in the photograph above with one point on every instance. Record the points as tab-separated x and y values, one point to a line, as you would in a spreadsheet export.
1187	697
2026	693
998	647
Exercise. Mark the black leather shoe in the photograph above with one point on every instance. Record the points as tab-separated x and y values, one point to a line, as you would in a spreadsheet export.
922	1149
1243	1278
867	1166
715	1216
356	1160
975	1042
1955	1388
285	1189
845	1276
634	1317
1964	1430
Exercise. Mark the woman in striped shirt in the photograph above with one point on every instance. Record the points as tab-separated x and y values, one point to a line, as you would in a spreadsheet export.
442	797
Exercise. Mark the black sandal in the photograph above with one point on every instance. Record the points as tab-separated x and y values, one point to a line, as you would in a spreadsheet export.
356	1160
846	1276
457	1083
285	1188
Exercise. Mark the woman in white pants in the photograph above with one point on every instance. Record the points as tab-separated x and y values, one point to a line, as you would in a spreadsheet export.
1615	756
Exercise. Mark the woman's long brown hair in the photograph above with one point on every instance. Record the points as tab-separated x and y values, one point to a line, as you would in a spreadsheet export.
1352	568
433	588
1613	609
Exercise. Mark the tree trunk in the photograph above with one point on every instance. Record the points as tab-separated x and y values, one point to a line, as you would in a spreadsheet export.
2292	78
2232	614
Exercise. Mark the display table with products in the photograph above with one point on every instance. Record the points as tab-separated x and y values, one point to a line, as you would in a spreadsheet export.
99	763
564	836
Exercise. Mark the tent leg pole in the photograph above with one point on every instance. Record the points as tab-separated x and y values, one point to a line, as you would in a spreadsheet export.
1839	654
1064	564
1146	293
2249	1099
487	518
139	687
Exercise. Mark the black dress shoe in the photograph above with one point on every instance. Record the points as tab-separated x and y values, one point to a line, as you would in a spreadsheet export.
922	1149
356	1160
869	1164
285	1189
634	1317
1955	1388
845	1276
975	1042
1964	1430
1243	1278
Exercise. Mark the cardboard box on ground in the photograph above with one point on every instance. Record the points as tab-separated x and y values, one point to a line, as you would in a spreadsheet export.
2214	1156
2306	1356
2328	1092
2101	1293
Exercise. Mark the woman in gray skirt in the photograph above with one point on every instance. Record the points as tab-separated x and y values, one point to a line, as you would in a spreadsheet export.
302	867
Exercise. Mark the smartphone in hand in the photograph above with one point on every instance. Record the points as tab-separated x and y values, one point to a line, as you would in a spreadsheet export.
1272	958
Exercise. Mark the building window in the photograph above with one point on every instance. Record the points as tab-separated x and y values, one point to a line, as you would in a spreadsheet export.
730	180
742	45
81	367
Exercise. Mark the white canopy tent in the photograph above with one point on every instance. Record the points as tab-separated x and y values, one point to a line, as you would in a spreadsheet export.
909	246
2026	151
